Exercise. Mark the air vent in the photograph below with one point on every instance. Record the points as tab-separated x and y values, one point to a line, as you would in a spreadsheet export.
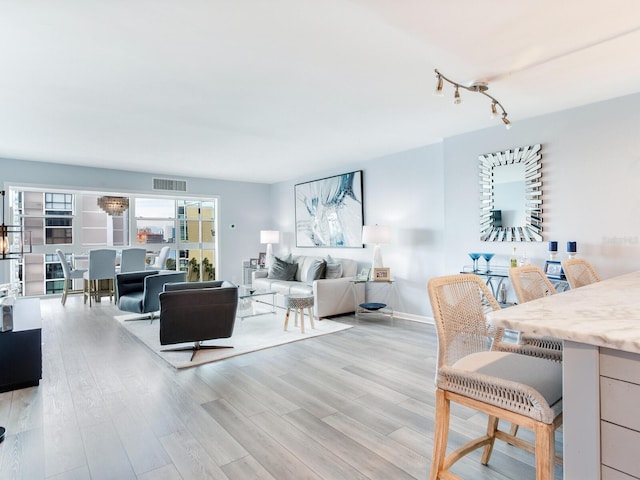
169	185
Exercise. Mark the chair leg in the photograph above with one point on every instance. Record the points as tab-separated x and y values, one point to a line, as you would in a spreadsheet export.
310	310
492	426
441	433
545	451
65	290
286	319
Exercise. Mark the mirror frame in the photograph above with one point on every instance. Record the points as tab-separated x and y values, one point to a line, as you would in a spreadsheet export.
531	231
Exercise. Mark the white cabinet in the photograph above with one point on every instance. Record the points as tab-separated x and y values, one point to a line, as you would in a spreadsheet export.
619	414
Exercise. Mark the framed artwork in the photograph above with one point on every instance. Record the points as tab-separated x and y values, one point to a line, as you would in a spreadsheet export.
262	258
253	262
382	274
329	211
364	274
554	270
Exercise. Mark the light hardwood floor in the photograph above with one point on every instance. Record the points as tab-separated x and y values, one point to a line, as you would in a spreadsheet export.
356	404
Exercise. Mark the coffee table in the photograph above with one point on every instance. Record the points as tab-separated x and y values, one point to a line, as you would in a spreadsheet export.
250	298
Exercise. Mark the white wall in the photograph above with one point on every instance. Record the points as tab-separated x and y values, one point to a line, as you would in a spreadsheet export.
403	191
591	171
430	197
246	205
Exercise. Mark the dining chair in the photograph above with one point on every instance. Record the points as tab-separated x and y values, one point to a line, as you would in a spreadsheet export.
161	259
102	266
133	260
579	272
70	274
530	283
472	371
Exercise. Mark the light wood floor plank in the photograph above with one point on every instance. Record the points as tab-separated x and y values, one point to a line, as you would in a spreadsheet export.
272	456
190	458
346	448
304	447
245	468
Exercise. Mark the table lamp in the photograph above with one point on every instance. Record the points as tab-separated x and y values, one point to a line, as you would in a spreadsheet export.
269	237
376	235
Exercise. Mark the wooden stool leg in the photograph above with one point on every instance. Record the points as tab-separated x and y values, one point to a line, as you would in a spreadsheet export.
545	451
286	319
441	433
310	310
492	426
295	311
301	319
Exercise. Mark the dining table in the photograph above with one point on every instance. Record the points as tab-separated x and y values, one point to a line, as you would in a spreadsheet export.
600	328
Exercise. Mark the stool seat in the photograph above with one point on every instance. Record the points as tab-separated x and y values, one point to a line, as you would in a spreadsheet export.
298	302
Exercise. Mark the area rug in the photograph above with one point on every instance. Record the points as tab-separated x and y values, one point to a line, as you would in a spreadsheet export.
250	334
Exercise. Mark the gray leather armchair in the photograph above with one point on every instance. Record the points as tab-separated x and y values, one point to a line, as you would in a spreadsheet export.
197	311
139	292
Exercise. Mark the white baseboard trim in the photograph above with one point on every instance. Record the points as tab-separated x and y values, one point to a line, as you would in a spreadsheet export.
414	318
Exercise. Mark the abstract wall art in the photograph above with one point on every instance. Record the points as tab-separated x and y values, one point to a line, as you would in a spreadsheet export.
329	211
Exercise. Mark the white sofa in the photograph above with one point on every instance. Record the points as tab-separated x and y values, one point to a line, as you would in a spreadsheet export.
332	296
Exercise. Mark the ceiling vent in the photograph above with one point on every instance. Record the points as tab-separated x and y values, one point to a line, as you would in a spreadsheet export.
169	185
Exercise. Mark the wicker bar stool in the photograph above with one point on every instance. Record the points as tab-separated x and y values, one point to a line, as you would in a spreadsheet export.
579	272
297	303
472	371
530	283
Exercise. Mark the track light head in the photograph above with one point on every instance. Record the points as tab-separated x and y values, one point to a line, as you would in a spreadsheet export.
506	121
456	97
438	92
494	111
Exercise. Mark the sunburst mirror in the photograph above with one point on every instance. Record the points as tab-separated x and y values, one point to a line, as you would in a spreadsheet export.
511	195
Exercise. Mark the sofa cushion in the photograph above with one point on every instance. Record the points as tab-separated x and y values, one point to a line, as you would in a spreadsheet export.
281	270
315	271
333	270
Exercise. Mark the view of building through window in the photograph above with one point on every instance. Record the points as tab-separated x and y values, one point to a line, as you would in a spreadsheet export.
73	222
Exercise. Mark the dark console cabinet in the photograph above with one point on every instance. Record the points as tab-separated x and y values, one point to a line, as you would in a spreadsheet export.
21	348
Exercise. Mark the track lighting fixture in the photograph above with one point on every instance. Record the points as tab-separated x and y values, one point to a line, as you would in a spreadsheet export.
478	87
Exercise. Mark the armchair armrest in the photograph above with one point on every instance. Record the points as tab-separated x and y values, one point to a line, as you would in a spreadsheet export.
127	283
153	286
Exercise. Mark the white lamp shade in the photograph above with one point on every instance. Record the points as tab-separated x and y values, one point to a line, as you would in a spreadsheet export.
269	236
376	234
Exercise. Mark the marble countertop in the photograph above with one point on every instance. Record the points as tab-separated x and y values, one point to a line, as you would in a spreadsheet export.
606	314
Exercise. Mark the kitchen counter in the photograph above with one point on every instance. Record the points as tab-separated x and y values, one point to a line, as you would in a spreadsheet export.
605	314
600	326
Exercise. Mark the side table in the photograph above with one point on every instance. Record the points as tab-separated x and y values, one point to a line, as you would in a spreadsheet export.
366	308
21	348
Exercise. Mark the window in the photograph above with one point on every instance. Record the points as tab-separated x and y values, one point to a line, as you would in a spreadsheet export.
73	222
155	220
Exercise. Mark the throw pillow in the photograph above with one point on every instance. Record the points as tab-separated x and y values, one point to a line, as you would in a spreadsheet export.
333	270
281	270
316	270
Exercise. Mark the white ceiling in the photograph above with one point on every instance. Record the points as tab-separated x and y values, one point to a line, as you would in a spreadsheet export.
266	91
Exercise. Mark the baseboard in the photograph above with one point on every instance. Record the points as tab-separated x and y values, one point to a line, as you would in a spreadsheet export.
414	318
